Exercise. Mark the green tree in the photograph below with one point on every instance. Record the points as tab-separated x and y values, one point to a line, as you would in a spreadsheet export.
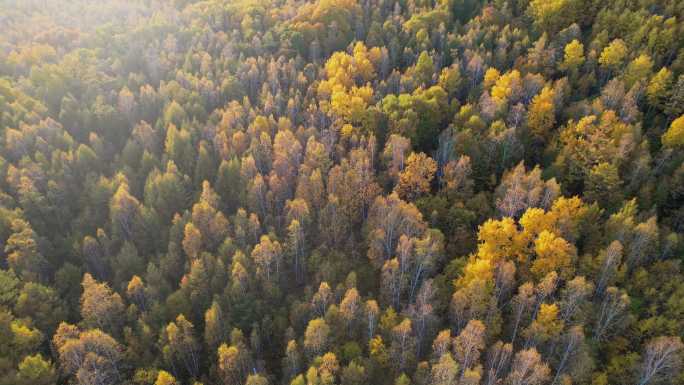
35	370
42	304
603	185
424	69
22	251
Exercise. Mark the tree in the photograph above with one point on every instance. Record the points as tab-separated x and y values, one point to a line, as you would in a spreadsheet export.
522	304
573	55
42	304
395	154
542	113
610	312
180	349
292	360
371	311
659	88
469	344
450	79
456	180
232	364
603	185
91	357
215	330
546	326
572	343
328	366
210	222
174	114
256	379
165	378
520	190
9	287
573	298
390	218
316	336
506	87
553	254
552	16
178	145
35	370
229	184
403	344
498	359
528	369
424	69
353	374
674	136
610	261
638	70
267	256
613	54
350	308
445	371
101	307
124	211
322	298
135	291
22	251
662	360
296	248
416	178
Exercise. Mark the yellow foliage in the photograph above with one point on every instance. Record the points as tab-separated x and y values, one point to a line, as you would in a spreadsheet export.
490	77
503	88
547	320
574	55
498	239
674	136
553	254
477	269
536	220
351	104
541	117
613	55
415	179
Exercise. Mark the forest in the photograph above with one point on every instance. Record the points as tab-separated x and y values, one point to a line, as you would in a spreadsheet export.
341	192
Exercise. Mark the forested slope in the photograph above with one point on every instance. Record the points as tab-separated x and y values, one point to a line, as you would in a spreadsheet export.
319	192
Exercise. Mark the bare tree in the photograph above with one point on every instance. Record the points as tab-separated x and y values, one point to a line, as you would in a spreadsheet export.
610	312
528	369
662	360
498	360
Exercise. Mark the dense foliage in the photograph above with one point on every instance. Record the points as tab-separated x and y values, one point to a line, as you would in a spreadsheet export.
319	192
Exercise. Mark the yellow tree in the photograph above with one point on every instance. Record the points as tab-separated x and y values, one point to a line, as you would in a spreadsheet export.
316	336
506	86
553	254
416	177
639	69
573	56
613	55
165	378
674	136
659	88
542	113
